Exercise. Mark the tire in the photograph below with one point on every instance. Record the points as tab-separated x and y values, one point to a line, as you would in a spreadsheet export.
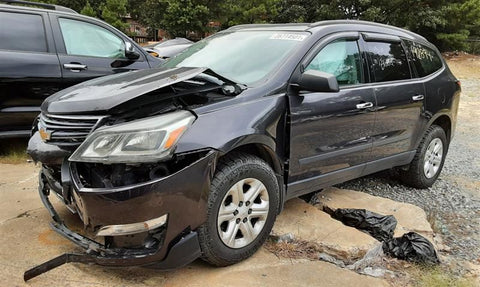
237	179
431	152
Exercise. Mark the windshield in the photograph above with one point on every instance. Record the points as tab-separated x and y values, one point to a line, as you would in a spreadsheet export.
244	57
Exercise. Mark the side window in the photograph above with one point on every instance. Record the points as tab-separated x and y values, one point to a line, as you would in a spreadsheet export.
388	61
25	32
85	39
425	60
340	58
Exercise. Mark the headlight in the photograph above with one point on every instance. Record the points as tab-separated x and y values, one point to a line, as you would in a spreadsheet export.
145	140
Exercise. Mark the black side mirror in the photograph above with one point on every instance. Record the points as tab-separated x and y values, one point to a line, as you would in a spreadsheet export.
130	52
316	81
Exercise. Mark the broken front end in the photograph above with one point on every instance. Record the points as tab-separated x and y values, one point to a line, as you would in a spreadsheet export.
119	170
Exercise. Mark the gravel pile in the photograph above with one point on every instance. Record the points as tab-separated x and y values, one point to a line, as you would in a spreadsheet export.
453	202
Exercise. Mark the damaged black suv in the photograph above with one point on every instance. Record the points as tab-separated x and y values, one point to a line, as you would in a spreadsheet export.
196	158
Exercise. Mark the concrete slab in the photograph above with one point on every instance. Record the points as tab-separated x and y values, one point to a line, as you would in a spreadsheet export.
27	240
309	223
409	217
18	189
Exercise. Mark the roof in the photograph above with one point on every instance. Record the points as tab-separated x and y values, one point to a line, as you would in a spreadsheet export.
320	24
42	6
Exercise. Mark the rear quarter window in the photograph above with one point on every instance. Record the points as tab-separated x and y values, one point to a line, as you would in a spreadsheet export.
22	32
425	59
388	61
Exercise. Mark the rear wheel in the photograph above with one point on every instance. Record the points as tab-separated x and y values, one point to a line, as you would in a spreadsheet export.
242	207
429	159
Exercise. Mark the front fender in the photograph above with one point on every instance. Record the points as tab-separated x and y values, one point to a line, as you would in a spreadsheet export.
260	121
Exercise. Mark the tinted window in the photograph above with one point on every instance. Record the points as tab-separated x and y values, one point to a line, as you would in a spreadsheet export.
388	61
22	32
85	39
425	60
341	59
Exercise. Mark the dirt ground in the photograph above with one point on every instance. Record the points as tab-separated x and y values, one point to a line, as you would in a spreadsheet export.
27	239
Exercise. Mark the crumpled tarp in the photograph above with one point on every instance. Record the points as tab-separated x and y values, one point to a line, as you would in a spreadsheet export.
411	246
379	226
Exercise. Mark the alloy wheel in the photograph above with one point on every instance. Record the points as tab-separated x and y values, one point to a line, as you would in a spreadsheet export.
243	213
433	158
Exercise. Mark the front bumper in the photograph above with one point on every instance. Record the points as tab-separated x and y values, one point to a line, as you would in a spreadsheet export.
182	195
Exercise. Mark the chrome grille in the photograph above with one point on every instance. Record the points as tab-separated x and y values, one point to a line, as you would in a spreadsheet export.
68	130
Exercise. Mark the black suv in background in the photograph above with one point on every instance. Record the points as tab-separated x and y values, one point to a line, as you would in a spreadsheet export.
45	50
196	158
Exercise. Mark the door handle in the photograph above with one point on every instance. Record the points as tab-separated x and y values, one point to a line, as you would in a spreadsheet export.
418	97
75	67
364	105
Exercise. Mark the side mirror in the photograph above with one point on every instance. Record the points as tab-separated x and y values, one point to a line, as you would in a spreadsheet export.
130	52
316	81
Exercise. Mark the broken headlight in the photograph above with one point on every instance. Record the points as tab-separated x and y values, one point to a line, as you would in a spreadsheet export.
144	140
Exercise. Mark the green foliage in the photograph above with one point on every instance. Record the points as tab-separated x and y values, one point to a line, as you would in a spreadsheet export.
113	12
88	10
237	12
182	16
149	12
446	23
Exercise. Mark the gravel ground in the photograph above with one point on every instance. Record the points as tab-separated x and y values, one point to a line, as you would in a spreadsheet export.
453	202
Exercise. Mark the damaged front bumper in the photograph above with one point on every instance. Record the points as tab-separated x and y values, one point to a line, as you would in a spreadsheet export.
160	217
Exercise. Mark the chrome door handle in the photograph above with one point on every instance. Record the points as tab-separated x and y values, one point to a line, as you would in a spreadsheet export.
364	105
418	97
75	67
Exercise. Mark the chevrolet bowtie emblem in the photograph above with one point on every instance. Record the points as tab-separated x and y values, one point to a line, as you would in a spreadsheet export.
44	134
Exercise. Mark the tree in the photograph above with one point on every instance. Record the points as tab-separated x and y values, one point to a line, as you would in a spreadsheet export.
462	20
113	12
447	23
182	16
235	12
88	10
148	12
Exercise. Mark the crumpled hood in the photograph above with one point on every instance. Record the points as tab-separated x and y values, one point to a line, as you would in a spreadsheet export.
102	94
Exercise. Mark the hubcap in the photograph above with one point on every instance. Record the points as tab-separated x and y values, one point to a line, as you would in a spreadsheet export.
433	158
243	213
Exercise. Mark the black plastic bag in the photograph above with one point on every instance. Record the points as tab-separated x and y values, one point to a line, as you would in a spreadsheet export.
411	247
379	226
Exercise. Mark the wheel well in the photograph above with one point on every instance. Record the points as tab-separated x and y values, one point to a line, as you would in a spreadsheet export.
445	123
262	152
270	157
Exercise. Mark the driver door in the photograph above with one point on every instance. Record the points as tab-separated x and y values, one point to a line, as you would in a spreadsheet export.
330	132
87	50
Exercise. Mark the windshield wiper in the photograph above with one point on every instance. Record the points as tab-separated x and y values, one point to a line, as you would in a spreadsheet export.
229	87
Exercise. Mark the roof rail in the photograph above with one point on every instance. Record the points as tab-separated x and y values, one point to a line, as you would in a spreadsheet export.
41	5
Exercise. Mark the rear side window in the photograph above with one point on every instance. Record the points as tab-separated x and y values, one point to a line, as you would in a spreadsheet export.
388	61
341	59
425	60
22	32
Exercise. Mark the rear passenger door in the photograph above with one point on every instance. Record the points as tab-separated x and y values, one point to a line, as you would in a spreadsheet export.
29	69
400	99
90	49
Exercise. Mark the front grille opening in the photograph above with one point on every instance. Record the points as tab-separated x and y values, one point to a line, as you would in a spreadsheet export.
100	175
68	130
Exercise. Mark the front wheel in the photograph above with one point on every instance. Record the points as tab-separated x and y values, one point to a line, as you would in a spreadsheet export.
242	207
429	159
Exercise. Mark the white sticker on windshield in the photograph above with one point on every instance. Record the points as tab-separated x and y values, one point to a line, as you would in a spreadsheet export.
288	36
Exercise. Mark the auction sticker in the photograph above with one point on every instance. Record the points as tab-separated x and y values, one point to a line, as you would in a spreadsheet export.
288	36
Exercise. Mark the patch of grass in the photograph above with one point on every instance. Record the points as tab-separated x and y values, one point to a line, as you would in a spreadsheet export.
13	151
297	249
425	276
